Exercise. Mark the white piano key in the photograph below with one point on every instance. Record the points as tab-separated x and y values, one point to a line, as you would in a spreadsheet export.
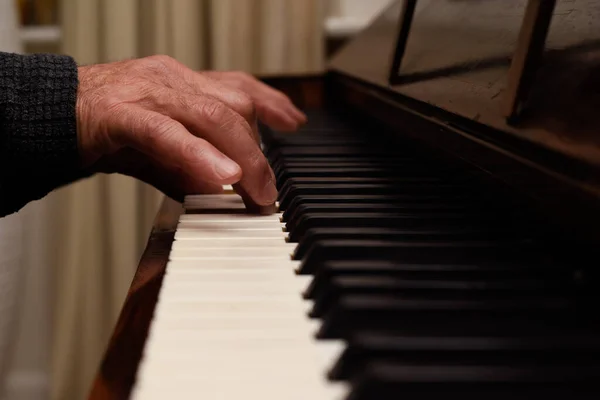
205	241
199	233
249	252
230	314
239	288
232	218
234	263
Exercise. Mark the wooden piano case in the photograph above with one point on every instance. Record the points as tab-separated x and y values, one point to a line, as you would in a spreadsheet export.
520	102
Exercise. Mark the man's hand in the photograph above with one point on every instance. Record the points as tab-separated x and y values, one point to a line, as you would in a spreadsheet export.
272	107
179	130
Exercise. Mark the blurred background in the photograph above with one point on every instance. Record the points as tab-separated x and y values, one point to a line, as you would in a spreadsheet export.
66	261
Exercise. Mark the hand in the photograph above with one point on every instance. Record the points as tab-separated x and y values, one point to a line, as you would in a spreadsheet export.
178	130
273	107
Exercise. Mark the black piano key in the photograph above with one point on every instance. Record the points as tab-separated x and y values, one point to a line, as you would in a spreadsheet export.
394	313
349	199
367	169
548	349
396	179
449	234
390	381
416	253
329	172
289	153
337	150
498	272
335	288
411	191
424	284
313	140
416	183
356	169
425	220
386	161
305	209
288	166
310	208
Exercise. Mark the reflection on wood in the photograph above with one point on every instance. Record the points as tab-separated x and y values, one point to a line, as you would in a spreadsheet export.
119	367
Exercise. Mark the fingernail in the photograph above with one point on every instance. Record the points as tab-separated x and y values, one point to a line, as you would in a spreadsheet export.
226	168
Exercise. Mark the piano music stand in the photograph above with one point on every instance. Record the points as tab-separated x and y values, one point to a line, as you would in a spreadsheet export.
525	60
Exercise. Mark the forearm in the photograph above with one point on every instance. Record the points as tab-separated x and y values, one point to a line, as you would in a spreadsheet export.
38	129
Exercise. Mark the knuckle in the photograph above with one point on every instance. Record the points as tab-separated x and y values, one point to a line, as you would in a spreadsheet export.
158	62
162	58
216	112
244	105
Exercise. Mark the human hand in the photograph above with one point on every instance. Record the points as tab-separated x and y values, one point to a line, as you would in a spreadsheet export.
273	107
178	130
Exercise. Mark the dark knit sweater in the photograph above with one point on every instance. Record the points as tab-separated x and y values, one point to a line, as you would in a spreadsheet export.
38	128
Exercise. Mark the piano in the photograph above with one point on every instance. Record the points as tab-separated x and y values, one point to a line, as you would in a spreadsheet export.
437	231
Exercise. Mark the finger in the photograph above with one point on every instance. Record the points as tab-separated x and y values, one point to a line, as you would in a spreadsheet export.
267	94
284	102
264	96
167	140
275	118
192	82
251	206
215	122
237	100
173	182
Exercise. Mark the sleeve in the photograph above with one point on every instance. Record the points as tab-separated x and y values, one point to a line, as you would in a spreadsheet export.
38	127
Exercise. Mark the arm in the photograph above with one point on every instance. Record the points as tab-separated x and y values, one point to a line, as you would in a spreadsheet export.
38	138
154	119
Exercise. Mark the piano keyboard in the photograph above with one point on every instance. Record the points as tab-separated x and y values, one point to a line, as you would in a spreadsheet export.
386	274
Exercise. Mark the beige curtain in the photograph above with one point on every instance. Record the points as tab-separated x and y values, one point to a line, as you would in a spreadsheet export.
11	236
24	336
101	224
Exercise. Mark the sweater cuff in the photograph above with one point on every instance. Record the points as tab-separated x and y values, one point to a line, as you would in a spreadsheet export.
38	127
38	113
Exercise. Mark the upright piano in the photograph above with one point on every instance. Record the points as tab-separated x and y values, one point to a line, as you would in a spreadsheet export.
437	232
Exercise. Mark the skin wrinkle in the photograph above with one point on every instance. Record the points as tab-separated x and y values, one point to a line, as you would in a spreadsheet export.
180	127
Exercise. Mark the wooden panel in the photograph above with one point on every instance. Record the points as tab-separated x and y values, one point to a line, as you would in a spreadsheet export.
306	91
116	376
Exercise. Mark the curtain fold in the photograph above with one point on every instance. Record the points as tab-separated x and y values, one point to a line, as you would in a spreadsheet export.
102	223
11	236
24	276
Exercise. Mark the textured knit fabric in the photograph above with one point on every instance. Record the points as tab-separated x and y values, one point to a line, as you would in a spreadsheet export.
38	128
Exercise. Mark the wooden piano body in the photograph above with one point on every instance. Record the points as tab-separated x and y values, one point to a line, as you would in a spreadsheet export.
483	82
